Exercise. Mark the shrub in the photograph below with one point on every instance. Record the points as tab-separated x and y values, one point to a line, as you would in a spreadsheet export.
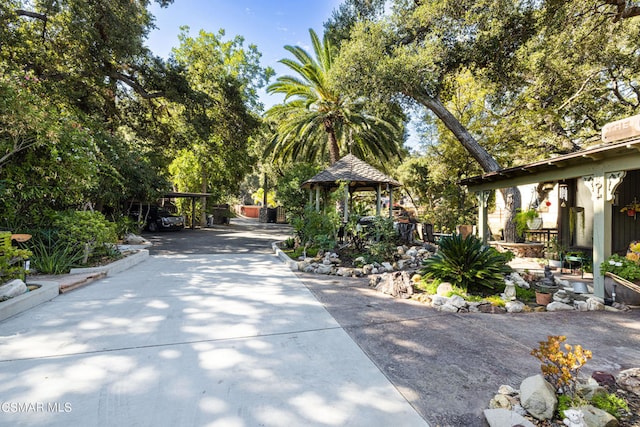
622	266
317	228
610	403
469	264
125	225
87	230
560	367
524	294
53	256
290	243
11	263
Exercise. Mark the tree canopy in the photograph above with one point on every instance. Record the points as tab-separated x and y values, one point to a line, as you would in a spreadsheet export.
89	114
544	76
315	118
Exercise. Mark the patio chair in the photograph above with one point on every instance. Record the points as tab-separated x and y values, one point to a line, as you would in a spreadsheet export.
572	260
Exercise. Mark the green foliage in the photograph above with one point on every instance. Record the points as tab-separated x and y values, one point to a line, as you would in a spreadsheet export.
317	228
289	243
468	264
52	255
382	240
561	364
316	120
86	230
428	286
11	262
564	402
126	225
215	125
610	403
258	197
495	300
621	266
302	251
522	220
288	191
523	294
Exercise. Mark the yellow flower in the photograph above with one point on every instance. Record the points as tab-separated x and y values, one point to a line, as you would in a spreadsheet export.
634	247
633	256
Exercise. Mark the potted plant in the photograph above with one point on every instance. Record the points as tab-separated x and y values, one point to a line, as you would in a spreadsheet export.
555	253
625	271
632	208
524	221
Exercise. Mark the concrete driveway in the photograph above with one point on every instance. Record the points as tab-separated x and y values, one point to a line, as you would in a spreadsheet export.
450	365
211	331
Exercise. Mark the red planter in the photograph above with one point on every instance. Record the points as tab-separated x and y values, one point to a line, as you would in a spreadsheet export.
631	212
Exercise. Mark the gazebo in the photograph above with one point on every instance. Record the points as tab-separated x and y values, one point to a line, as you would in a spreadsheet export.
358	175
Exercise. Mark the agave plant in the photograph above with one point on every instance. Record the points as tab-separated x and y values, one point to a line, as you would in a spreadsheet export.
467	263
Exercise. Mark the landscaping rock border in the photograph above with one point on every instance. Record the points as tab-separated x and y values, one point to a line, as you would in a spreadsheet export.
385	278
52	286
46	292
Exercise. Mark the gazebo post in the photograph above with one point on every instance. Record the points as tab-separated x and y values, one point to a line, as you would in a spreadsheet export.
346	203
193	213
378	199
390	201
317	198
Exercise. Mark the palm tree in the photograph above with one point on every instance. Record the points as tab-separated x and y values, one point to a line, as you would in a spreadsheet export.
313	117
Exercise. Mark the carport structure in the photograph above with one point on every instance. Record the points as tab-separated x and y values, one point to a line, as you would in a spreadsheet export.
358	176
193	196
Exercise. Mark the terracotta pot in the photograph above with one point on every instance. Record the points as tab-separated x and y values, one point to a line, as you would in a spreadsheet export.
543	298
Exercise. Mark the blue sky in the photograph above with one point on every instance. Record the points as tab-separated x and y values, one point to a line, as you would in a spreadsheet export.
269	24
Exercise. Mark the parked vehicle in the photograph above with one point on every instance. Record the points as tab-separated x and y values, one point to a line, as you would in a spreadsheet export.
159	218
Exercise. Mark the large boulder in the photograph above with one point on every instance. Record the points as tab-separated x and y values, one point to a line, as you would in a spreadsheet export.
504	417
595	304
12	289
629	379
538	397
559	306
324	269
514	306
396	284
134	239
594	417
444	289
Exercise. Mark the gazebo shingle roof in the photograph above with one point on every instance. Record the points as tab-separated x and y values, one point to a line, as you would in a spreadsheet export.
359	174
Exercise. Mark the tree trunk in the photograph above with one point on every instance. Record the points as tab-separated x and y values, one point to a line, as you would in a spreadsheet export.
203	199
486	161
511	195
334	150
512	201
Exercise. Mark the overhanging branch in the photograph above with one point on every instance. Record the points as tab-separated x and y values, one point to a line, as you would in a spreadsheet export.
137	87
36	15
623	10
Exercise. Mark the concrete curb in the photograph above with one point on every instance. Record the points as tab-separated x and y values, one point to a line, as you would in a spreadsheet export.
115	267
50	289
83	280
284	257
46	292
